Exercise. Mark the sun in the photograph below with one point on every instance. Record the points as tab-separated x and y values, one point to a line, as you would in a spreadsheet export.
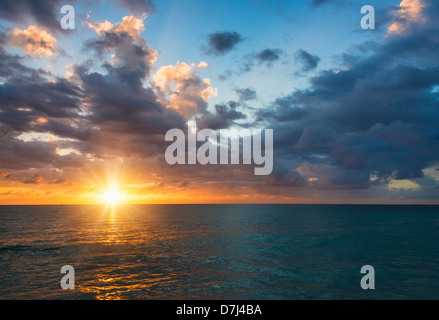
112	197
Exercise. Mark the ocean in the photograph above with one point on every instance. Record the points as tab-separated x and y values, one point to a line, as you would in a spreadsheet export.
243	252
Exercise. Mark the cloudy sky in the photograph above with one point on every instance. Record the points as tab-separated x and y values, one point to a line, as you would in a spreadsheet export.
355	112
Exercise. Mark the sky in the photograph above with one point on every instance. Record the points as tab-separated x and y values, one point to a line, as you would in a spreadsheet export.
84	112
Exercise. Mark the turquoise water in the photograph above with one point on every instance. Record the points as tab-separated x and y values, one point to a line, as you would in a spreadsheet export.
219	251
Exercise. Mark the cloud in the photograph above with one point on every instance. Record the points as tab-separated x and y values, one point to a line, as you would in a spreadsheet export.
246	94
43	12
224	116
11	64
306	60
35	179
183	90
98	114
410	11
119	110
20	155
203	65
265	57
283	177
139	7
376	117
220	43
130	26
33	41
403	184
46	13
122	114
28	95
132	58
269	55
368	127
5	175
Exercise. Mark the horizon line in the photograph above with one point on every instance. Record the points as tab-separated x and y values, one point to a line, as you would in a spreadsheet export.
218	204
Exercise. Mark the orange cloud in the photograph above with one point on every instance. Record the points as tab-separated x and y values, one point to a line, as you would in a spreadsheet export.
130	25
184	90
410	11
202	65
33	41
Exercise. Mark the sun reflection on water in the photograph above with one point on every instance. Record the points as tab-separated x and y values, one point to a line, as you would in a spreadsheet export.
125	252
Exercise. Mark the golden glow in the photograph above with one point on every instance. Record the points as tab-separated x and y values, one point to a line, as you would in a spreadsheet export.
112	196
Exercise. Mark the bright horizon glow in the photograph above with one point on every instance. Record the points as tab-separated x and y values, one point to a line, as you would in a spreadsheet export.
112	196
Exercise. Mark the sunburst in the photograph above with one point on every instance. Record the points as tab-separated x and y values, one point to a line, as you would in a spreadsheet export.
112	196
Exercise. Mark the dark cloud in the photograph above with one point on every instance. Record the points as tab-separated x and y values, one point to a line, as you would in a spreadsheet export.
307	61
282	177
265	57
386	16
27	95
46	13
35	179
287	109
246	94
42	12
136	57
226	75
58	181
224	116
139	7
220	43
19	155
24	99
119	93
269	55
376	115
11	64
